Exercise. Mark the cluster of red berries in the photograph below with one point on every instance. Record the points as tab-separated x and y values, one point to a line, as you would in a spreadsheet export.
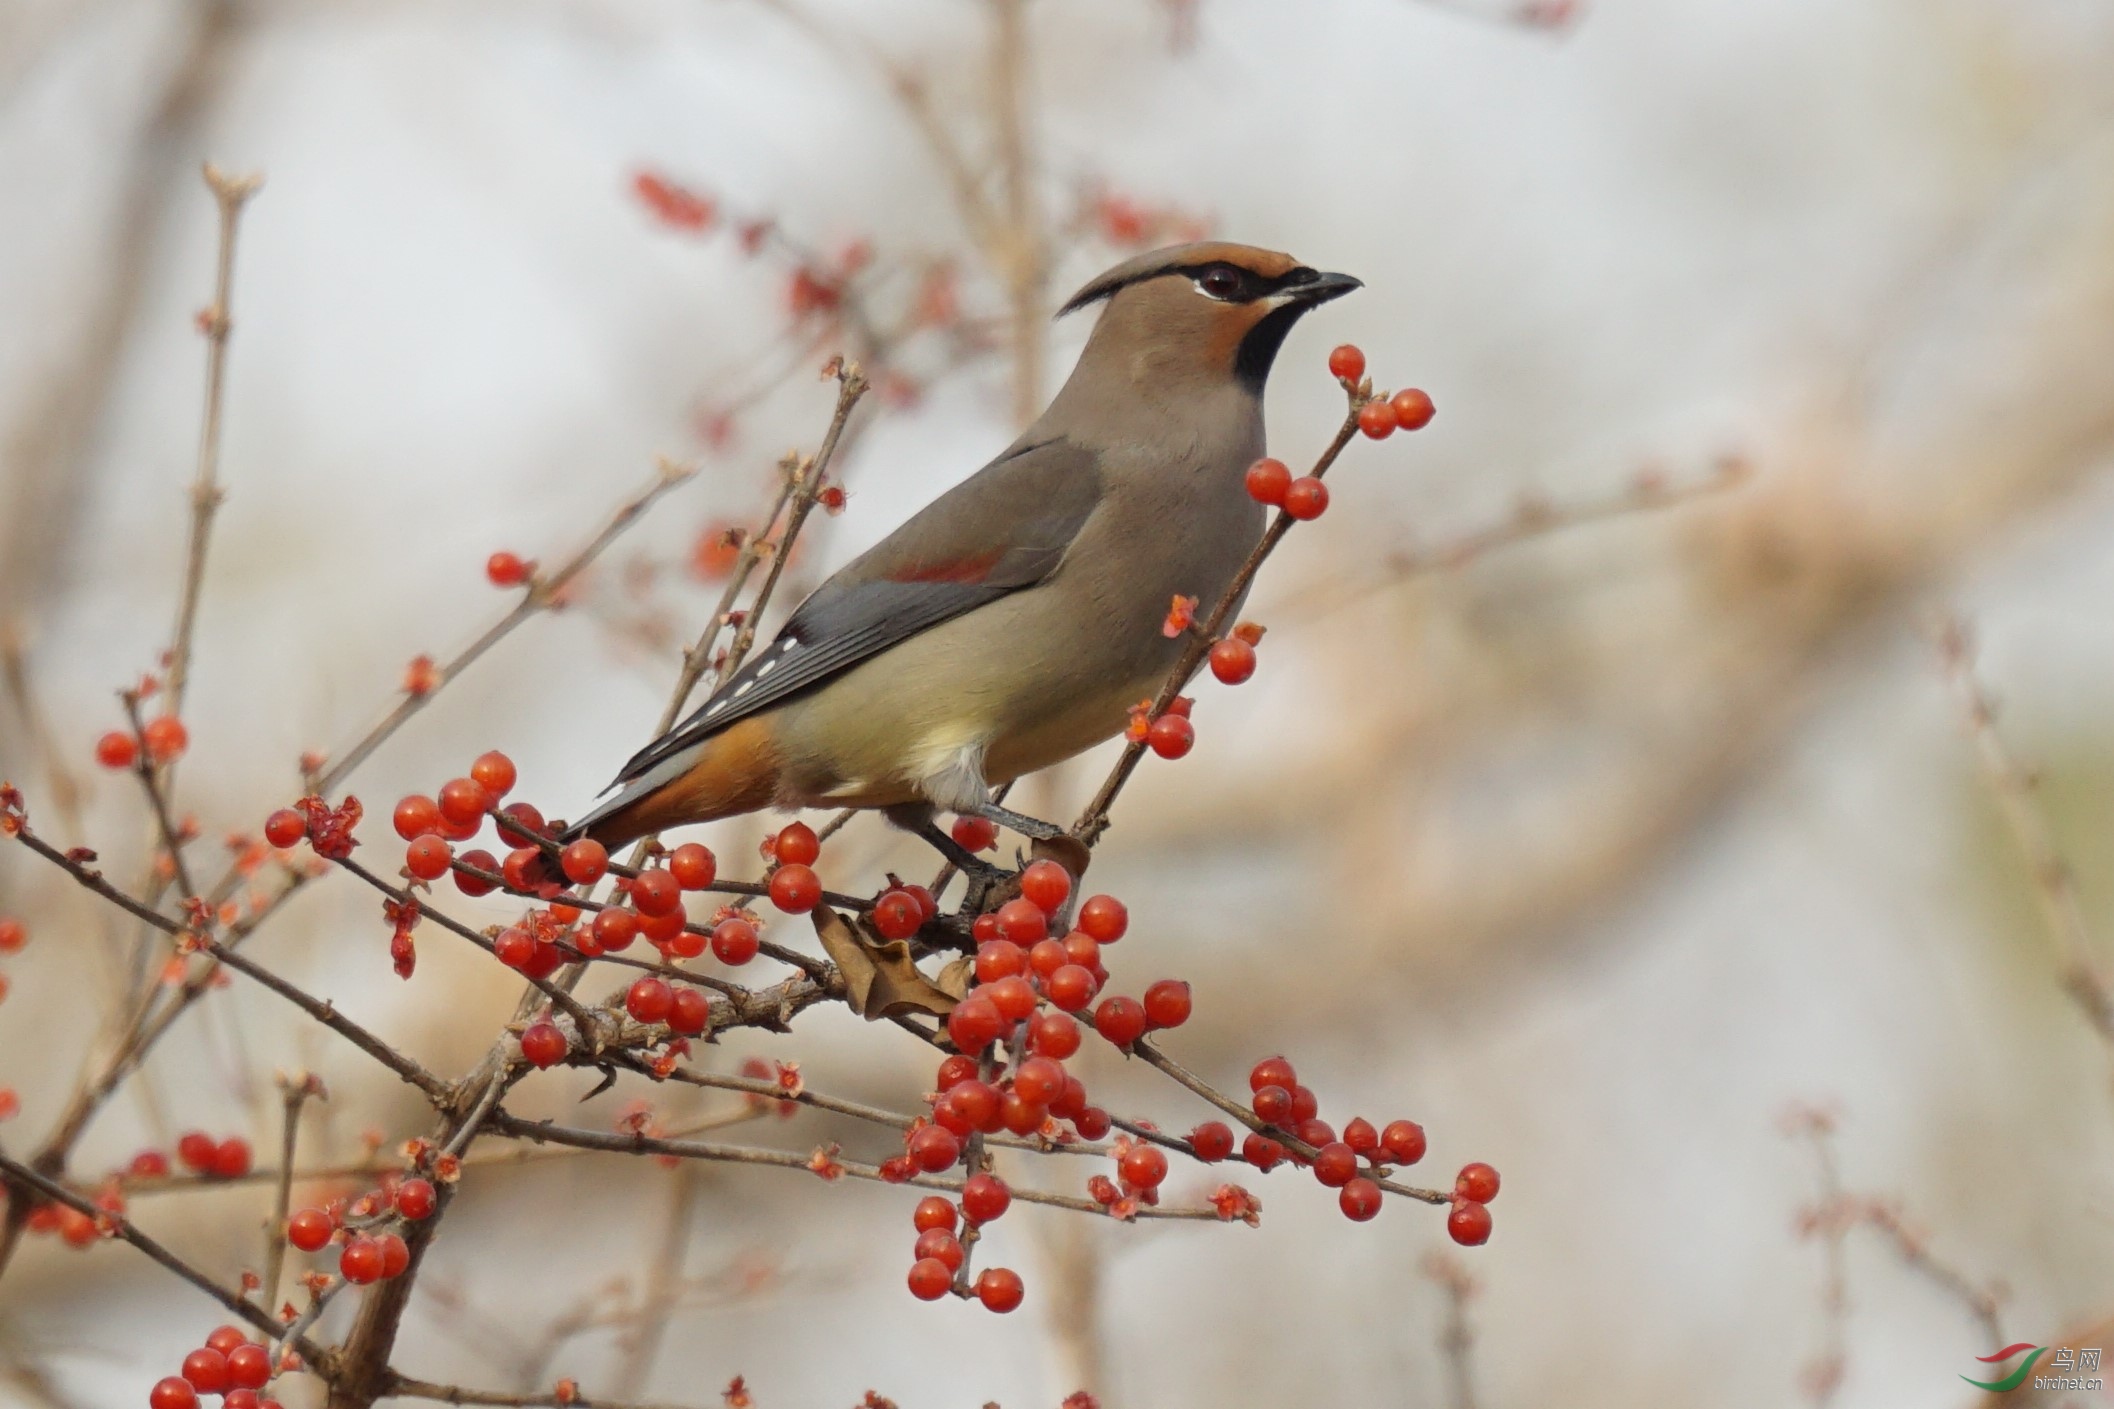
13	935
1352	1163
938	1254
162	738
372	1251
229	1364
218	1159
72	1226
1381	417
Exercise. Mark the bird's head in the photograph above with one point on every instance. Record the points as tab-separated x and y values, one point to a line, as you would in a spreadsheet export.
1211	310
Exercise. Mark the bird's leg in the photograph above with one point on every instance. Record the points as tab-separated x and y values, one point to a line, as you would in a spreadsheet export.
1020	822
917	820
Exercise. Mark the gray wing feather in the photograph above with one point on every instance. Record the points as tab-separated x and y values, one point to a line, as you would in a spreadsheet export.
1004	528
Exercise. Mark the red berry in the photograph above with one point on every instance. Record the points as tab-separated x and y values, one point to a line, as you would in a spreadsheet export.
933	1149
172	1393
1092	1123
1261	1151
1167	1003
1054	1035
977	1105
543	1044
1046	885
1120	1020
1315	1132
954	1071
1266	481
1360	1200
584	862
797	845
1171	736
795	889
1468	1224
693	865
1143	1166
396	1255
1047	956
975	1023
934	1212
1306	498
309	1229
196	1149
1104	917
1361	1136
225	1338
1232	660
206	1371
1023	921
165	738
285	828
984	929
415	816
655	892
523	870
463	801
975	833
614	930
669	932
897	915
1403	1140
150	1164
928	903
1020	1115
939	1243
691	1014
495	771
249	1367
1413	409
997	959
1273	1105
1213	1140
1272	1071
1039	1081
117	750
247	1399
1014	998
13	934
231	1158
428	857
984	1198
514	947
415	1199
734	941
930	1279
482	860
1305	1105
1476	1182
1347	362
650	1000
1335	1164
1071	988
519	822
999	1289
505	569
1377	420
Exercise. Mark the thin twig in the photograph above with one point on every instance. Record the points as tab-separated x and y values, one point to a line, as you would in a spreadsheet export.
2083	974
1456	1337
231	193
294	1093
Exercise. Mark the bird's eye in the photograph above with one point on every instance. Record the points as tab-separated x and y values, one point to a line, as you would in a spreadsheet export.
1221	281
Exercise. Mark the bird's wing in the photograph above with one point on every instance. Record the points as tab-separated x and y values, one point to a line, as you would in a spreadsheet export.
1004	528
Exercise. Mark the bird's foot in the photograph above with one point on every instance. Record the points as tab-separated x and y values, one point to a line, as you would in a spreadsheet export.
918	822
1032	827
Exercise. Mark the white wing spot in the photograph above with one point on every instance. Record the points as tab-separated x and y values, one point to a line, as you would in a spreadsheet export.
766	667
743	688
716	708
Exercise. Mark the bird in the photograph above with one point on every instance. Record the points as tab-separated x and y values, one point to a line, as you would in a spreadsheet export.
1013	621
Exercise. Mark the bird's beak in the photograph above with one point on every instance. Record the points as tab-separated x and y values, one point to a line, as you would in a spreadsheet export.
1320	289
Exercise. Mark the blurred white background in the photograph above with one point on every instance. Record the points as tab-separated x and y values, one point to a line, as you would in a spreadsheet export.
1594	855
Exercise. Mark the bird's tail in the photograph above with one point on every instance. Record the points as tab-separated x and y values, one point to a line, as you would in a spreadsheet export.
731	772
